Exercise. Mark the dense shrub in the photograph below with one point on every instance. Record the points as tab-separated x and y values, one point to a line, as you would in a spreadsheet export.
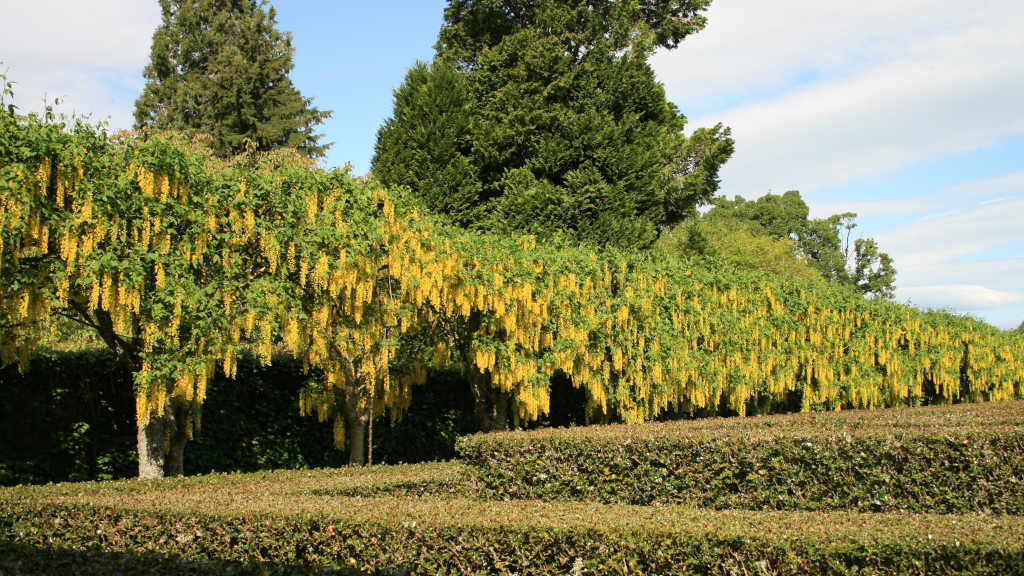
303	522
964	458
70	416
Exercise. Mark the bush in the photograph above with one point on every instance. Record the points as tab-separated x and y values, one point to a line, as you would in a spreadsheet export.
304	522
965	458
70	416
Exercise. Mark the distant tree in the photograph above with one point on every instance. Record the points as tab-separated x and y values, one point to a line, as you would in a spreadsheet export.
873	272
737	244
823	243
220	68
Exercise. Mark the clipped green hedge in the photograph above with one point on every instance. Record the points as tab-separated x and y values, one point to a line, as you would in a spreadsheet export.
294	523
964	458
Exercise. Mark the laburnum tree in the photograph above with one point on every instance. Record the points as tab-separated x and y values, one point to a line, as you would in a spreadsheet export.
107	234
220	68
182	259
178	261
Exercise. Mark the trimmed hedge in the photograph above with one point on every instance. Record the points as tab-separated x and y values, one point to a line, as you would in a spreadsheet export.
293	522
954	459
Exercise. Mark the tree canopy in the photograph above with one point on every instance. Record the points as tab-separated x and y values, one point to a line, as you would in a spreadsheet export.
823	243
219	68
722	239
472	26
532	138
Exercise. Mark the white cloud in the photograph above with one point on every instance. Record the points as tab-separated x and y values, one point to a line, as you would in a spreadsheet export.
823	95
928	246
959	296
762	46
904	81
963	256
88	54
868	209
988	187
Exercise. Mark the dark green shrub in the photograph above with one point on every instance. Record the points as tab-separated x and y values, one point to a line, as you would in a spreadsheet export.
301	522
965	458
70	416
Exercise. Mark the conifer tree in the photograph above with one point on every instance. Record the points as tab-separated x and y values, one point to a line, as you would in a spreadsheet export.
220	67
530	139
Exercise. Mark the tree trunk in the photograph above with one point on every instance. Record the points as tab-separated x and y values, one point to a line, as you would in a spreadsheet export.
499	409
491	406
356	440
355	431
178	422
151	448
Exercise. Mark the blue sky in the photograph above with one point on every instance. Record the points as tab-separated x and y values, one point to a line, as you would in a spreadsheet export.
907	113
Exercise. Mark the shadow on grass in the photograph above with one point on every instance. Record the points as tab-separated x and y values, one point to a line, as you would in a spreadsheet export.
21	559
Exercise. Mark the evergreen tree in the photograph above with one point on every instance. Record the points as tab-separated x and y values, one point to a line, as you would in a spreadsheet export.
530	121
580	26
220	67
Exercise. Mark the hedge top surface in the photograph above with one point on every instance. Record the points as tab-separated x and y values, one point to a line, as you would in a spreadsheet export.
959	419
313	495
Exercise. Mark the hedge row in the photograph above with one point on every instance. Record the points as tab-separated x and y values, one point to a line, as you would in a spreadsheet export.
282	523
954	459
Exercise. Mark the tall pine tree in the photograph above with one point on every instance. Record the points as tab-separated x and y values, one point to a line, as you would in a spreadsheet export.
220	67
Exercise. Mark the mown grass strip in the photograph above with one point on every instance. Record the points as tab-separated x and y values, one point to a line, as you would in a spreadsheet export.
954	459
283	523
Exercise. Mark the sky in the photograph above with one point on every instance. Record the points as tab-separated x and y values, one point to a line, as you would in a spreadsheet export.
908	113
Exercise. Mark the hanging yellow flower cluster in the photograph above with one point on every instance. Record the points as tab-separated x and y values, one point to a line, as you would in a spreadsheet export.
184	261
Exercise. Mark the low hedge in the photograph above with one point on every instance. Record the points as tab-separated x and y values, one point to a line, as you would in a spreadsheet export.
954	459
293	523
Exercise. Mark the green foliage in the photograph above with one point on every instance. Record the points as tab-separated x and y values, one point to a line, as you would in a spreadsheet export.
721	239
949	460
252	422
472	26
439	412
822	243
316	521
70	416
533	138
220	70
